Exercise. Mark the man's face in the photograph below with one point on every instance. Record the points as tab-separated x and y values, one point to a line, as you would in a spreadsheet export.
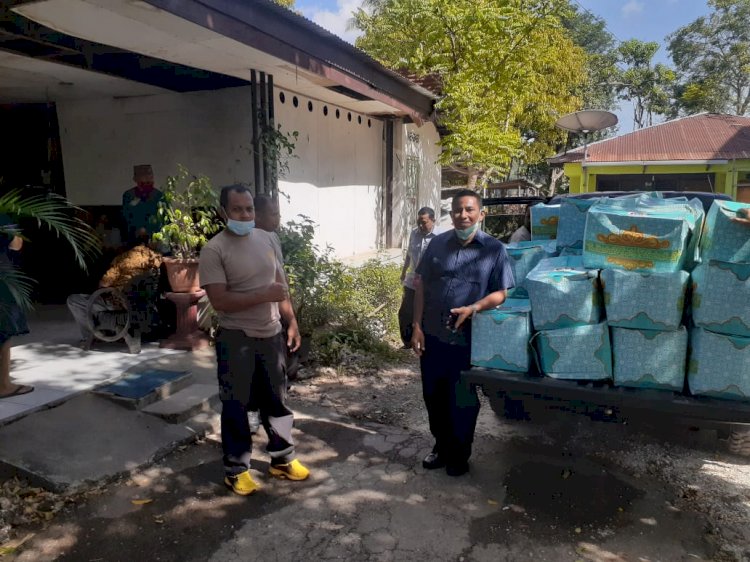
269	218
240	206
465	212
144	180
425	224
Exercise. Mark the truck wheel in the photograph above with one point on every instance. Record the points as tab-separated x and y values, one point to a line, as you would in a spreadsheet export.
509	408
739	441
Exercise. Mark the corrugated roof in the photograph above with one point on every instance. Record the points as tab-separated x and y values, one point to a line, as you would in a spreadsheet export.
706	136
344	46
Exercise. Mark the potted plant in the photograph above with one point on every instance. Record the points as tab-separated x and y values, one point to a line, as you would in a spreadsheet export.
189	217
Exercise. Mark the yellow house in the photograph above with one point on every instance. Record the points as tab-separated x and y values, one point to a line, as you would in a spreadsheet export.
705	152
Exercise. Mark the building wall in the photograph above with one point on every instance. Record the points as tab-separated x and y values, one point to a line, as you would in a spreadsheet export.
209	132
336	176
414	147
727	175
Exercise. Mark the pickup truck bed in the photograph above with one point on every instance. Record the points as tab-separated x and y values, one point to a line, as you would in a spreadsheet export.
604	395
509	391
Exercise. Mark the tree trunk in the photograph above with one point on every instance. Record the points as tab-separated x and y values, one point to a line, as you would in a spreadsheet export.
473	177
556	175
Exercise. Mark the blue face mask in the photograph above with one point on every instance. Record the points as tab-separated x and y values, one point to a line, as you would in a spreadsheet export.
466	233
240	228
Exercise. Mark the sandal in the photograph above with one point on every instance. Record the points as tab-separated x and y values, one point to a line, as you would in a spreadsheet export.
20	390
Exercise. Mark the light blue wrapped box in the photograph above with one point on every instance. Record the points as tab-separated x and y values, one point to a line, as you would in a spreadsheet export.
649	358
500	337
724	239
563	294
721	297
577	353
572	224
544	220
645	234
644	301
719	365
524	256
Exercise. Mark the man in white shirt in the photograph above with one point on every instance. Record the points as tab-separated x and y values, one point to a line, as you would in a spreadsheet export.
523	233
419	239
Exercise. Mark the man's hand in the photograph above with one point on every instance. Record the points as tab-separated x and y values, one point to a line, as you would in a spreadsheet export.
293	338
417	340
277	292
464	312
743	217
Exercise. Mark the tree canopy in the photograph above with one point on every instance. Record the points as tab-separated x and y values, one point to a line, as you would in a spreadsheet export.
648	86
590	33
508	68
713	56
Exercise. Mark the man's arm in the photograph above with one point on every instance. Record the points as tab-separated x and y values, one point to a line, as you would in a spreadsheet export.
224	300
743	217
417	336
501	279
492	300
293	338
406	266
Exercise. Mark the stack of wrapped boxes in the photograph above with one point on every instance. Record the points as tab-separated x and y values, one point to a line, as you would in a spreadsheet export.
613	304
572	342
719	363
643	245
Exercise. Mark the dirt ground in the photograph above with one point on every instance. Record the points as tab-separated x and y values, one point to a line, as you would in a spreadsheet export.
692	465
688	487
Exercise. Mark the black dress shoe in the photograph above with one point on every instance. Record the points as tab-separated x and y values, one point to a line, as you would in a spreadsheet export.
457	469
433	461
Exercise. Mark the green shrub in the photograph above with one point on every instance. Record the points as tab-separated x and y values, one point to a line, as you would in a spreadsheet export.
351	310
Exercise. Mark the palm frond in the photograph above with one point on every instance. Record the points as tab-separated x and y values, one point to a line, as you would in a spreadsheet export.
18	284
57	214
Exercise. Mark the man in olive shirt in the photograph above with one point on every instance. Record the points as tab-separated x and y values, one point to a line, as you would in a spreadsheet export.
245	283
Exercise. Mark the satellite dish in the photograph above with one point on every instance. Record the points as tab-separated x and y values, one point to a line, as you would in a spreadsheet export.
587	121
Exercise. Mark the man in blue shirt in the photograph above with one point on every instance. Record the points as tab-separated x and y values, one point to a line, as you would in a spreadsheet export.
462	272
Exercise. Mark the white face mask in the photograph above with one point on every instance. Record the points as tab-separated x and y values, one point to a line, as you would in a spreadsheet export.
240	228
466	233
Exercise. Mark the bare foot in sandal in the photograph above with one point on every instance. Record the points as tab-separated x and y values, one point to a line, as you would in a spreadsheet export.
15	390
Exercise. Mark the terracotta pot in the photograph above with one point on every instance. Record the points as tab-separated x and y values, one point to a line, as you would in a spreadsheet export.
182	275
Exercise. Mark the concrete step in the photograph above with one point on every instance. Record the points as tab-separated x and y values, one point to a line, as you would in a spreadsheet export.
149	395
186	403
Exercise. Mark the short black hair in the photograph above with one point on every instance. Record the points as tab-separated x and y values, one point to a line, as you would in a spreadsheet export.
237	188
263	202
429	211
467	193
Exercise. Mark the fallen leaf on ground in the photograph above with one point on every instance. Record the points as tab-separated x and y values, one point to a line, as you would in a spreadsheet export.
141	502
10	547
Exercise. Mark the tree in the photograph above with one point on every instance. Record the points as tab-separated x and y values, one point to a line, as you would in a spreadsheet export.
713	55
649	87
507	67
589	32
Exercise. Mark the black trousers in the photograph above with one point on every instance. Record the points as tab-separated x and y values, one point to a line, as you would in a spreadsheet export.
452	407
406	315
252	370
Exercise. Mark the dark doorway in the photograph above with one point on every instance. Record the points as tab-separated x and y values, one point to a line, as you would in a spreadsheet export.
657	182
31	160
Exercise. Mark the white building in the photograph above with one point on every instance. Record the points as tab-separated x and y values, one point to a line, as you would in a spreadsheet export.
113	83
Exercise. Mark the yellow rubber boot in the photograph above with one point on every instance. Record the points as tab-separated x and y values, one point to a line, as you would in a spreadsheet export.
294	470
242	484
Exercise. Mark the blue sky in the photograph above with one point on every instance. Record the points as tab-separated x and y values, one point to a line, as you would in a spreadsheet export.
648	20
